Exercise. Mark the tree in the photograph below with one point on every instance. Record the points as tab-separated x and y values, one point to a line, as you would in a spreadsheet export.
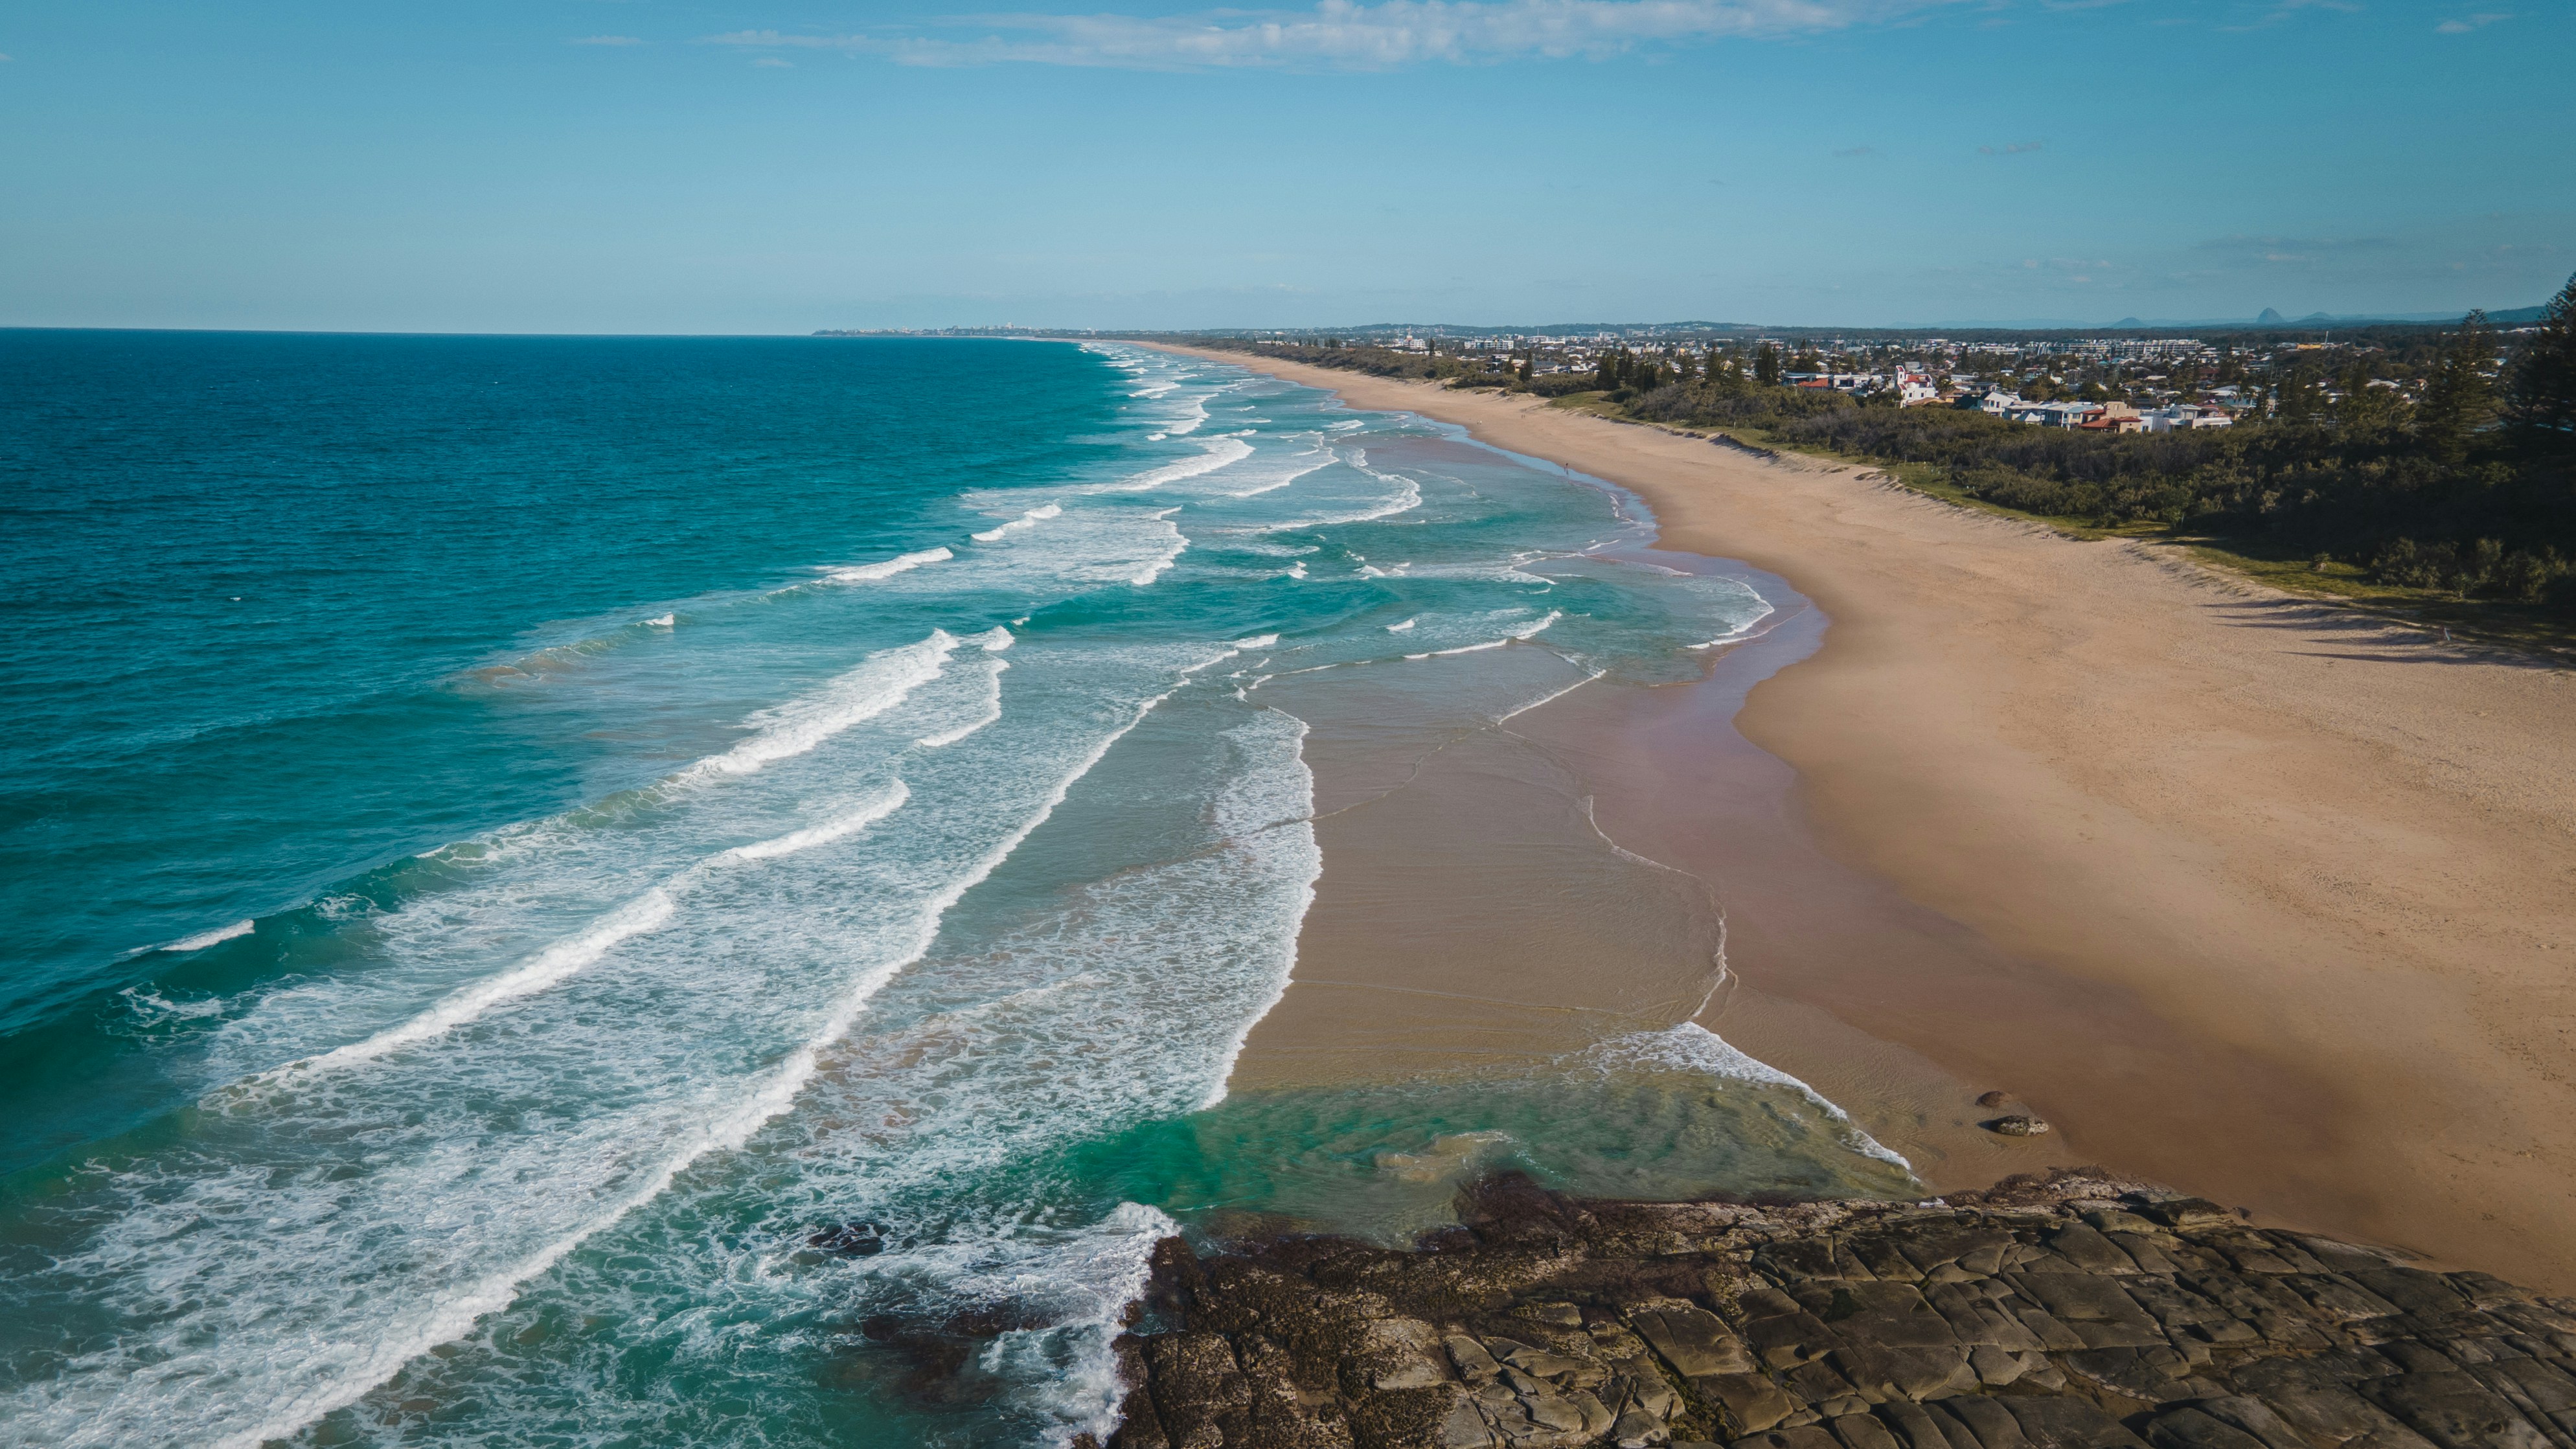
1766	364
2364	408
2458	399
2299	401
2544	386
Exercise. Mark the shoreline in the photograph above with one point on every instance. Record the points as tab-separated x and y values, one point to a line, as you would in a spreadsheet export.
2248	894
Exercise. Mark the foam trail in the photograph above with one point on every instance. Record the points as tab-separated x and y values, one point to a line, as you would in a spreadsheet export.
647	912
1292	806
1514	637
880	683
1407	624
991	712
1218	453
203	939
825	833
1740	630
1323	459
1694	1047
1407	497
900	563
1510	715
666	621
727	1132
1030	519
1180	545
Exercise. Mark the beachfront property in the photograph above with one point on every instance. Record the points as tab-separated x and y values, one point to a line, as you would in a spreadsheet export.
2092	383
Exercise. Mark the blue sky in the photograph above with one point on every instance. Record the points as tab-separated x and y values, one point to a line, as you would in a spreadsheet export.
783	165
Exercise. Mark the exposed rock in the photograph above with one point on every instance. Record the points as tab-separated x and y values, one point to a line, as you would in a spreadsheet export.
2064	1311
2016	1125
1992	1100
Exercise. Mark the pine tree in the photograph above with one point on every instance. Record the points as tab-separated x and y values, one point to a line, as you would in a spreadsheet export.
1766	364
2544	386
2296	400
2458	399
2363	408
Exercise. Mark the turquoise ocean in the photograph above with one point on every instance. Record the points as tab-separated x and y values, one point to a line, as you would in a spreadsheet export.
605	892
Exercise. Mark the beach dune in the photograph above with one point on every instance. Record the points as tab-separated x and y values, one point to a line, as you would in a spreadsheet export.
2267	899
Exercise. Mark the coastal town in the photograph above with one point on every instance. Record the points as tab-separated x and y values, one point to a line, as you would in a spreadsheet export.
2110	383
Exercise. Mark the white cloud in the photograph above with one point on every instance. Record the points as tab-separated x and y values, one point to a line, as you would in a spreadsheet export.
2467	23
1344	34
607	40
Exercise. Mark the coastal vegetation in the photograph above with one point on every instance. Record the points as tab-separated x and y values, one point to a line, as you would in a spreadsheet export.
2431	466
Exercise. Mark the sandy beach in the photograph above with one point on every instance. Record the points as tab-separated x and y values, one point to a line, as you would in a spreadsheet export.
2262	898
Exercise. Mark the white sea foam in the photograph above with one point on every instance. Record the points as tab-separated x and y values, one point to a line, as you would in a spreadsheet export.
1296	466
549	967
1025	521
203	939
882	682
1514	636
1517	711
900	563
1214	454
841	827
1400	628
988	711
665	621
1694	1048
1404	495
1155	567
290	1353
1272	801
151	1006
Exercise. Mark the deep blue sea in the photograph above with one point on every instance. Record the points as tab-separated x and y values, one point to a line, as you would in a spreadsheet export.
505	841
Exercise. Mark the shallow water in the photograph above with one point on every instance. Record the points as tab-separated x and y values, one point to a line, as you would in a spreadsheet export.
515	837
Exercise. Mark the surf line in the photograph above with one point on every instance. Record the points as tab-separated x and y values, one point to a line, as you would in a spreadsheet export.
564	959
728	1133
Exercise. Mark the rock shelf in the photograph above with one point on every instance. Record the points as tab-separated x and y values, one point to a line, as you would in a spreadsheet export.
2074	1310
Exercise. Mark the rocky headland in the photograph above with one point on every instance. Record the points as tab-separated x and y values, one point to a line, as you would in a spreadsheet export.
2070	1311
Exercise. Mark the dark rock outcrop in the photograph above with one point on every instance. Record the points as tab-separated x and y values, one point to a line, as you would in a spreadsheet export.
2071	1311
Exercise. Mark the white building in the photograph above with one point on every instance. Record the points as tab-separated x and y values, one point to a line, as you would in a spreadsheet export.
2175	417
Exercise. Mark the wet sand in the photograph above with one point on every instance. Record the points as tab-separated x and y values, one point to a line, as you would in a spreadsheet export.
2265	899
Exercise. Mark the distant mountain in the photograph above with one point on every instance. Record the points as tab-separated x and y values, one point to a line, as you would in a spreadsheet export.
2270	318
